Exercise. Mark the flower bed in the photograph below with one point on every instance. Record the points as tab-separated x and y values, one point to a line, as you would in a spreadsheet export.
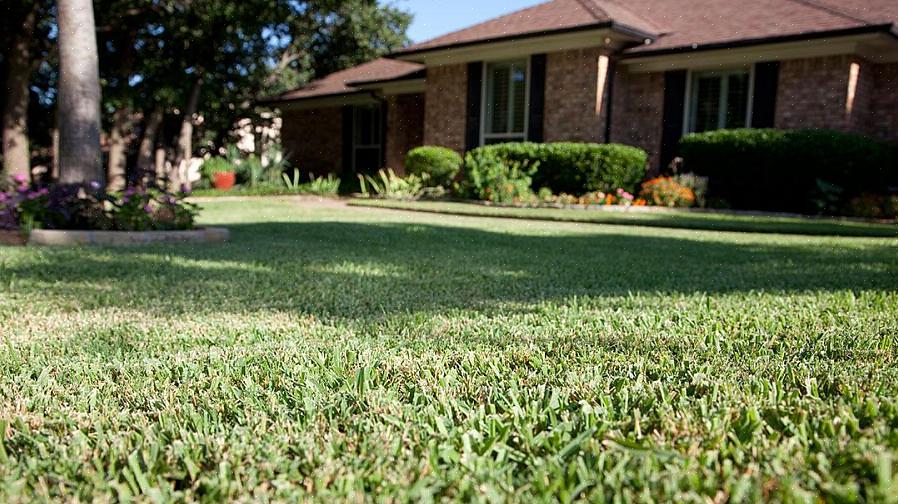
88	207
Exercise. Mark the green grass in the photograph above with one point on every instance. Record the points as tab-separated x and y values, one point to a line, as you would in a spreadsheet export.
240	190
350	353
677	219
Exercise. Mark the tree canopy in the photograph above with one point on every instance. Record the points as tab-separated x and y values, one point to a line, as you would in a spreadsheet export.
156	54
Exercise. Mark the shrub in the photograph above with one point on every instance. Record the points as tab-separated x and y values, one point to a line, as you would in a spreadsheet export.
492	177
874	206
667	192
436	166
578	168
793	171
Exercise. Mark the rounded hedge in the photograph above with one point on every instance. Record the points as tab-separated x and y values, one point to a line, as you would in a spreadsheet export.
577	168
804	171
437	166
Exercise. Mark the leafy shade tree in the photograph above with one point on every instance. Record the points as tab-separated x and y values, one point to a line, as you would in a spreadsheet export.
79	94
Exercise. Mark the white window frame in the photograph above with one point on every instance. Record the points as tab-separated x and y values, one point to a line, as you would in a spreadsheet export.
690	110
484	103
355	126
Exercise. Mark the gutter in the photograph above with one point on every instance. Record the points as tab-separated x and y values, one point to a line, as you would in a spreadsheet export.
889	28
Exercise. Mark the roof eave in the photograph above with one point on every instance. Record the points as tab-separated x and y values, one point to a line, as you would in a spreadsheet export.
418	55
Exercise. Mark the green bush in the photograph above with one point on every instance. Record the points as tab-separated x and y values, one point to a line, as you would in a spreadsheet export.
578	168
804	171
491	177
436	166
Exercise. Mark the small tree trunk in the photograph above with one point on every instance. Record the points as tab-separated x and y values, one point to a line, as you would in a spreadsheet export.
118	147
16	156
79	94
185	138
146	152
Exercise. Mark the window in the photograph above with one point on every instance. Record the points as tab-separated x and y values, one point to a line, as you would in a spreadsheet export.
366	139
719	100
505	107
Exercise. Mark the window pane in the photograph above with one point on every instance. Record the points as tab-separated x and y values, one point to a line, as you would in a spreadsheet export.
520	97
707	104
737	101
499	80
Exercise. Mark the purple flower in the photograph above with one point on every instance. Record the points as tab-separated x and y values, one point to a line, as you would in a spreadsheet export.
126	200
185	189
148	209
130	191
20	178
95	185
44	191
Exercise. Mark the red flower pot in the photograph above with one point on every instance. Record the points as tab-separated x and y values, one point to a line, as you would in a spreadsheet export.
224	181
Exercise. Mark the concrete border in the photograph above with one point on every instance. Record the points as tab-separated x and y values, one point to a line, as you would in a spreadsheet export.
59	238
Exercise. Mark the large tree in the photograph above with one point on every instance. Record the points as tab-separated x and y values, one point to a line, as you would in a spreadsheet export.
79	94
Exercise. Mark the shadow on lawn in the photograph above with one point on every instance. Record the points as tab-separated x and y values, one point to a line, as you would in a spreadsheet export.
357	271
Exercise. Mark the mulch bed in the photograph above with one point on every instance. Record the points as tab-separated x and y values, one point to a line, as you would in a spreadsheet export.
14	238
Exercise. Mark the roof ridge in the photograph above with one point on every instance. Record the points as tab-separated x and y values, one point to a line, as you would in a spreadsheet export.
485	21
593	5
832	10
593	8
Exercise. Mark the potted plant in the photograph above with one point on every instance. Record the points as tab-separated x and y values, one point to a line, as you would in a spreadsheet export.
221	172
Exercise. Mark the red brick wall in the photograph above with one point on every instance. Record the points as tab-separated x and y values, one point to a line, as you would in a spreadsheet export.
884	107
572	113
638	110
313	138
446	112
405	128
813	93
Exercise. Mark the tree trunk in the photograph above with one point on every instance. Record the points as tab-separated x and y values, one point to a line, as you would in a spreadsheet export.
146	163
16	156
79	94
185	138
118	149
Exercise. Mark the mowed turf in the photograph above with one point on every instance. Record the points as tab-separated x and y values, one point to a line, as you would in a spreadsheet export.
332	353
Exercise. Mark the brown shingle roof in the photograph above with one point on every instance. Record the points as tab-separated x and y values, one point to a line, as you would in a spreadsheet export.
556	15
706	22
678	23
340	83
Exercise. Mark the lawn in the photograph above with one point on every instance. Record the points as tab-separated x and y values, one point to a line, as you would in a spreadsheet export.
330	353
669	218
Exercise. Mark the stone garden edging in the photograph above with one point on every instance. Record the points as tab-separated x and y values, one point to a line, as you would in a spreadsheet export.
52	238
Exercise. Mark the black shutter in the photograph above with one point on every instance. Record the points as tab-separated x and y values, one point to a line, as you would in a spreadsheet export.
674	106
384	110
472	125
537	97
763	110
347	139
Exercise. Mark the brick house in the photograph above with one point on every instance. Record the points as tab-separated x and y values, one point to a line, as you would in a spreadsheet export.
636	72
